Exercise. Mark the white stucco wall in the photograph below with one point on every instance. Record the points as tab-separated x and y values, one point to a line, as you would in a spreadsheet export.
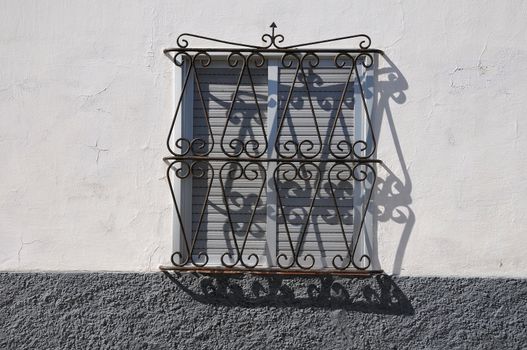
86	99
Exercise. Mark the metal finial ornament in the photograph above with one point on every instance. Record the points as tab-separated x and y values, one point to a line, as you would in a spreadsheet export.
272	39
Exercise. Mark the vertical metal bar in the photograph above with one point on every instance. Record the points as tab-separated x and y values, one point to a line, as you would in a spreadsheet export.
368	236
272	128
183	129
362	132
358	186
178	75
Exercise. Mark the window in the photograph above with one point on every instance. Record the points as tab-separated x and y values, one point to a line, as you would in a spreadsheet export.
272	157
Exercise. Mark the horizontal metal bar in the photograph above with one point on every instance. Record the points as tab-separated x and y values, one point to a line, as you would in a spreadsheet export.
271	271
263	51
263	160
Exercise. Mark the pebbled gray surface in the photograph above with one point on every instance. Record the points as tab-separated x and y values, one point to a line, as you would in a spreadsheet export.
156	311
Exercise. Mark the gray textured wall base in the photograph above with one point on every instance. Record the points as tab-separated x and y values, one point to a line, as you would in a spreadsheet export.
158	311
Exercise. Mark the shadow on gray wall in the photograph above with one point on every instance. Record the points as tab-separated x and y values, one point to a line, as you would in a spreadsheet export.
379	294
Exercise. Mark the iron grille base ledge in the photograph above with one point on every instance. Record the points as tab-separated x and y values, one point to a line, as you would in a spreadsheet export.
270	271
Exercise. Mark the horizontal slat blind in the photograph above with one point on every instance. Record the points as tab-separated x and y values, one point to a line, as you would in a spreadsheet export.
218	86
323	238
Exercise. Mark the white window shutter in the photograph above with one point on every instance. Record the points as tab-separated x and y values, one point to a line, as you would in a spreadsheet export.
323	237
218	86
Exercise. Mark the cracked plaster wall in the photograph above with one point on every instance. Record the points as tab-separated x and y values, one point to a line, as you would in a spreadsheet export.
86	98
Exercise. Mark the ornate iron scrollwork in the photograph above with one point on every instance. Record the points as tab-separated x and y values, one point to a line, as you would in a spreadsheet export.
323	158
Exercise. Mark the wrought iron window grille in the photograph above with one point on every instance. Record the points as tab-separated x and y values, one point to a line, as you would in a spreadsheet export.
326	165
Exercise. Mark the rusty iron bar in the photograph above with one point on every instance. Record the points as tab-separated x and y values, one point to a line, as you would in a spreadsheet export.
270	271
